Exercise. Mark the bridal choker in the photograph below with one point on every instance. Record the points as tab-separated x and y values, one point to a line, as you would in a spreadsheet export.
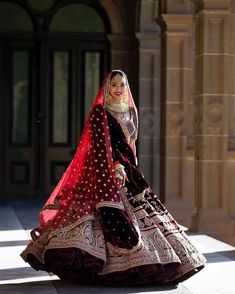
120	107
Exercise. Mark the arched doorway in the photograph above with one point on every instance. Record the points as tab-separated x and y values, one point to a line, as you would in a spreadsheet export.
54	58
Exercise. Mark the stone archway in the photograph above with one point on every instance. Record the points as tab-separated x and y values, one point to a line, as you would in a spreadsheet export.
115	16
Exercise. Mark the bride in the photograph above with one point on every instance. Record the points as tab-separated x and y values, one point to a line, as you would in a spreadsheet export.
103	224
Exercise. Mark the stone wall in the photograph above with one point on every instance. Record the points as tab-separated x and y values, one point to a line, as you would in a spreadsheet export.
198	80
180	58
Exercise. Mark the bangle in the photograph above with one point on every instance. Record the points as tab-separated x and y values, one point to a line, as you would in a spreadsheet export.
119	171
118	166
116	162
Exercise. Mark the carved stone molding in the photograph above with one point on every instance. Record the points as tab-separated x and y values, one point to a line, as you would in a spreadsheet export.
215	113
177	7
175	118
178	23
148	13
149	41
215	5
147	118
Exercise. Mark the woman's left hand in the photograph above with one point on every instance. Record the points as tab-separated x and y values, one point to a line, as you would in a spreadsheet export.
120	175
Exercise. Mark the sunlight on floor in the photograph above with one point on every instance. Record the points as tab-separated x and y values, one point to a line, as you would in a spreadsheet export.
207	244
19	277
12	235
28	280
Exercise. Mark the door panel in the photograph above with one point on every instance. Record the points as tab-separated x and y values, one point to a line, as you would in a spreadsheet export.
19	123
48	89
92	62
59	111
74	75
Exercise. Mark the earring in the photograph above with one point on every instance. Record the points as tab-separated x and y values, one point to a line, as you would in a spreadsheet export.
125	100
108	99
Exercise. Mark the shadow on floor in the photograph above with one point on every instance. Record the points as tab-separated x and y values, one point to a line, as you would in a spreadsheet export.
27	211
21	273
68	287
14	243
220	256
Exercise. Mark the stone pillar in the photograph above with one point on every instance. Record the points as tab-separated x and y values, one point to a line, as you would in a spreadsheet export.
177	109
121	49
212	63
149	92
231	143
124	56
149	107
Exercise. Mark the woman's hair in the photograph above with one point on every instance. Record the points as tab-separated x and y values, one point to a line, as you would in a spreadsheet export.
117	72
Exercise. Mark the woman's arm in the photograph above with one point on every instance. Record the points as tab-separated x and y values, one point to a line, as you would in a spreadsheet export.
133	147
132	144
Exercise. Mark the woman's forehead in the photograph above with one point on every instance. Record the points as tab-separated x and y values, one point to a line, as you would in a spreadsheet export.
118	79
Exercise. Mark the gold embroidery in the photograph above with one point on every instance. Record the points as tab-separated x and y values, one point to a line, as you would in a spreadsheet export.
110	204
158	242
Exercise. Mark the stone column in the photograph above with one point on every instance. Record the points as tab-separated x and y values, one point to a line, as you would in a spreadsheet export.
124	56
231	143
212	63
149	107
143	69
122	48
177	110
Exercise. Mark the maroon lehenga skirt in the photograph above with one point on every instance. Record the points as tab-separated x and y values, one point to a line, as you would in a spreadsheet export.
139	246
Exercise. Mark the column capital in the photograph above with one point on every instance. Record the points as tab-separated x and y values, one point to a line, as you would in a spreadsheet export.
149	40
215	5
176	23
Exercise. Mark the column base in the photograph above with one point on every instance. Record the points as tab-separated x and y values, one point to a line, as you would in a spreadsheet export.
214	224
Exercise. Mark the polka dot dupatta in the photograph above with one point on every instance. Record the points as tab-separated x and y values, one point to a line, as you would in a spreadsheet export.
93	233
88	183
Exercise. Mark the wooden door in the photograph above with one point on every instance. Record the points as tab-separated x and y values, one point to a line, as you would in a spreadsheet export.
48	88
20	129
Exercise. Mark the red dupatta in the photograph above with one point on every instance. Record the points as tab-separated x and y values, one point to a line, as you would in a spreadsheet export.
88	183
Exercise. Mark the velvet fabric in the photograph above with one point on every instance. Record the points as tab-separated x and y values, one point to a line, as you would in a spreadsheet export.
94	233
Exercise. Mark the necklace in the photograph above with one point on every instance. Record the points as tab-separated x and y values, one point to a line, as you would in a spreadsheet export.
126	123
122	117
119	107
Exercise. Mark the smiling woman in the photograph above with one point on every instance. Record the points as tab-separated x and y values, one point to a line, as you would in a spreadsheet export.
103	224
118	86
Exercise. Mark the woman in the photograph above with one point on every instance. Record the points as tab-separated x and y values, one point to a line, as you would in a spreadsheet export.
102	223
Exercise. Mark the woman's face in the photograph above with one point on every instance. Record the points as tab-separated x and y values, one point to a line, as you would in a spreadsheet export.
118	87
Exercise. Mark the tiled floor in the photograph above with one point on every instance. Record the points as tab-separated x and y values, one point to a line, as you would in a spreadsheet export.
17	277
